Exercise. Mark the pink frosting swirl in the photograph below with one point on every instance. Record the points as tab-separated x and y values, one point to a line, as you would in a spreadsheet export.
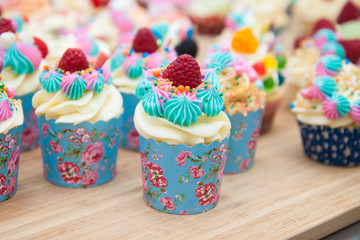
5	110
330	109
31	52
154	60
355	113
313	93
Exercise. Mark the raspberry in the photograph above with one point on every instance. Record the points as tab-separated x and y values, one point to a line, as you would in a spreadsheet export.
41	46
348	13
352	49
73	60
144	41
100	3
184	71
6	26
323	23
298	41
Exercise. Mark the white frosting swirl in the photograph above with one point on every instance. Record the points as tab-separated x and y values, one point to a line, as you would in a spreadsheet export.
24	83
90	107
206	130
15	120
123	82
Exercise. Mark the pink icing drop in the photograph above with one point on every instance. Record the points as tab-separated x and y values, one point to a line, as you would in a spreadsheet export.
90	79
11	92
5	110
67	80
355	113
330	109
246	68
313	93
32	53
154	60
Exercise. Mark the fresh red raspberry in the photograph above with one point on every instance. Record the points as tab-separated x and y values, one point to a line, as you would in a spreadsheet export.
323	23
100	3
144	41
184	71
73	60
6	26
352	49
348	13
41	46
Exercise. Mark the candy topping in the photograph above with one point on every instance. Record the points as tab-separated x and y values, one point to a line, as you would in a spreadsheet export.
244	41
355	111
41	46
184	71
336	107
73	60
348	13
6	26
7	103
329	65
144	41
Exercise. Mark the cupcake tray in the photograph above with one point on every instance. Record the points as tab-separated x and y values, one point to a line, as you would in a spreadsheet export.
284	196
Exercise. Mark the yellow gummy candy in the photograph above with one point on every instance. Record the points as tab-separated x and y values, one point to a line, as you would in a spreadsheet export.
244	41
270	62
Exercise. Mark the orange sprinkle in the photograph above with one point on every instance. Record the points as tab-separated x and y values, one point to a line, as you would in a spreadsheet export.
187	89
310	84
337	80
156	73
46	67
5	88
181	88
126	53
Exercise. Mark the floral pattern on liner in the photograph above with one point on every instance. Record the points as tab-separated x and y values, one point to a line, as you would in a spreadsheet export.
181	179
30	133
129	137
79	156
245	132
9	162
331	146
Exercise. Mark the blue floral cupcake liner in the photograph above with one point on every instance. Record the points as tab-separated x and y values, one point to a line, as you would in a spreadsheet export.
30	133
245	132
79	156
331	146
9	162
181	179
129	137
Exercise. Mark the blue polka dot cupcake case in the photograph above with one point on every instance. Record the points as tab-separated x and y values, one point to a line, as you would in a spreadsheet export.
328	113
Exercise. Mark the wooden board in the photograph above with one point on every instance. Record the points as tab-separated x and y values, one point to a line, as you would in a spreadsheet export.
284	196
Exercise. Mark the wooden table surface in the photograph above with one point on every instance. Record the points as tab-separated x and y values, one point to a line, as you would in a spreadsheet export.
284	196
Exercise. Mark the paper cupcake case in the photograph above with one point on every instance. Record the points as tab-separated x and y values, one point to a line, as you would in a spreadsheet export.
181	179
79	156
271	108
30	133
9	162
331	146
245	132
129	137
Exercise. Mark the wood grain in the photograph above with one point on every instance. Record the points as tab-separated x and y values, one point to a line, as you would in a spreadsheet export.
284	196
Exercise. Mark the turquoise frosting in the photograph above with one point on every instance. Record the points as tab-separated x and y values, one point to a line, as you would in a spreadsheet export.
143	86
98	84
116	61
19	23
19	63
329	34
214	78
357	102
76	89
134	71
160	30
151	103
342	103
219	60
326	84
181	111
94	50
332	63
334	47
212	102
52	83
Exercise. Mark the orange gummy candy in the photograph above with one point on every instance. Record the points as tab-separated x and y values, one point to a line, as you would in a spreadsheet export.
244	41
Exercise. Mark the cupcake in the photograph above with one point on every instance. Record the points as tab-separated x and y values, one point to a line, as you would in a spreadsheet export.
183	137
266	54
244	101
23	55
301	66
209	15
328	113
78	112
127	64
11	120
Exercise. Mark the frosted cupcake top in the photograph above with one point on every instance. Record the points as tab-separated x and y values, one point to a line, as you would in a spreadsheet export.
332	97
242	89
11	113
128	61
76	90
208	8
301	65
23	56
181	104
264	53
